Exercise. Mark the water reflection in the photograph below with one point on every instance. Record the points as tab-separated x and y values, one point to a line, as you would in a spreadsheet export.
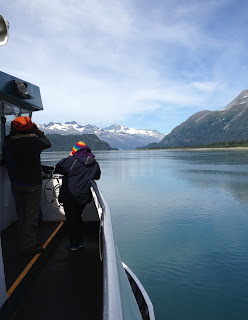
226	171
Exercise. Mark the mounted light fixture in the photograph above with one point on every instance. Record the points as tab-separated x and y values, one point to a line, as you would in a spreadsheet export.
4	27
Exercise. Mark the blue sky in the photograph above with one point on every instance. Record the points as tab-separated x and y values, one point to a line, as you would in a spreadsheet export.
144	64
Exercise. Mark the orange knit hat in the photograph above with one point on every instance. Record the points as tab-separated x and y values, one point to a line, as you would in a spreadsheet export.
22	124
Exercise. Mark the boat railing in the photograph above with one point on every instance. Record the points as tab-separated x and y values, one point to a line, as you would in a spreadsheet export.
148	311
118	299
112	306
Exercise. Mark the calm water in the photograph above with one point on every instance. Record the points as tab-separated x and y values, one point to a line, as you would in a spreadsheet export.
180	221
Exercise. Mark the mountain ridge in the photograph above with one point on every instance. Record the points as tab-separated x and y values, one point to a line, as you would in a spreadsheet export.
204	127
117	135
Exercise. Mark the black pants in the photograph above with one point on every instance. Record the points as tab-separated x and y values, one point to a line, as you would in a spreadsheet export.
27	200
73	214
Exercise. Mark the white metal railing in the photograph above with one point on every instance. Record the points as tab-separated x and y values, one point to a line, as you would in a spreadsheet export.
112	306
119	302
143	291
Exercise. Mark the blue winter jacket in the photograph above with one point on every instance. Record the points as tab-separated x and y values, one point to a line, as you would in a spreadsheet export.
77	173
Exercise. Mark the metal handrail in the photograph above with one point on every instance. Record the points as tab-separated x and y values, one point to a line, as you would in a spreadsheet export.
112	305
142	290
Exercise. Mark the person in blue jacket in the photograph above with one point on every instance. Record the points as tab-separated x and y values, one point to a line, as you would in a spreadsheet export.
78	169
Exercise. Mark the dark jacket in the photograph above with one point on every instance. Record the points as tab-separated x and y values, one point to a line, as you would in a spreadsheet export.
26	150
77	173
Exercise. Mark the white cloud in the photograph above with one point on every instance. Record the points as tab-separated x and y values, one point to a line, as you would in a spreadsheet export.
205	86
108	60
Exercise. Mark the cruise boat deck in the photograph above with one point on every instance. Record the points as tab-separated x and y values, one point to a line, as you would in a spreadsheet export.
60	284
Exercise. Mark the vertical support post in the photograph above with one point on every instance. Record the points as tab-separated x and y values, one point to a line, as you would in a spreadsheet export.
2	122
2	128
3	295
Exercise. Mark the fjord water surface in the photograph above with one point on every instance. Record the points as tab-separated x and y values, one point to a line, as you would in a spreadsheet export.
180	222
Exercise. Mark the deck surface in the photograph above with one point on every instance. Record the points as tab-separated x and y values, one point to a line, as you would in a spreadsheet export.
61	284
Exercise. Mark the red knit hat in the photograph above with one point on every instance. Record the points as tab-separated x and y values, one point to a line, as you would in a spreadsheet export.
22	124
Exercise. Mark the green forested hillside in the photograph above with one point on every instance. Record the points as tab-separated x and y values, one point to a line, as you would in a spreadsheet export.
224	144
65	142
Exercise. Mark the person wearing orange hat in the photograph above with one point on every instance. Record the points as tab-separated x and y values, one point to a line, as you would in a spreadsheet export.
78	170
26	145
22	124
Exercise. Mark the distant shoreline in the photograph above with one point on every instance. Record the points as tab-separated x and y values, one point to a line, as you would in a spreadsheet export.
169	149
216	149
200	149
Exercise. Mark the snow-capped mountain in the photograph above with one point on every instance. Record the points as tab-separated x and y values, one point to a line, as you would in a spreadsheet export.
117	136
